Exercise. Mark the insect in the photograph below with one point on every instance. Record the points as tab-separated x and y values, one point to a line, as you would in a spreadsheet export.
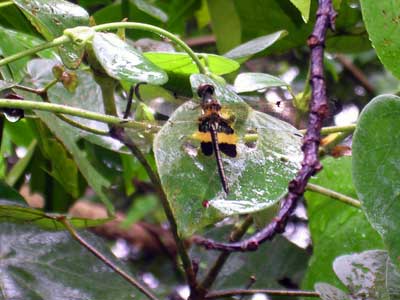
215	132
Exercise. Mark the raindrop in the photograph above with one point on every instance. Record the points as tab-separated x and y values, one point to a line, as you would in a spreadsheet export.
189	149
13	114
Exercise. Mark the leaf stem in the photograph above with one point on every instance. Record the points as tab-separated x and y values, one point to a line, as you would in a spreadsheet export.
6	3
78	112
236	292
332	194
56	42
333	129
157	30
108	262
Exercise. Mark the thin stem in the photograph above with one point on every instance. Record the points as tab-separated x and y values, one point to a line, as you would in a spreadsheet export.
81	126
337	138
56	42
157	30
119	134
78	112
237	292
6	3
332	129
109	263
332	194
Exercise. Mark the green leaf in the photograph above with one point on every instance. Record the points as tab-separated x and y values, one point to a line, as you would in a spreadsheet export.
382	21
11	211
51	18
257	177
304	7
331	220
9	194
37	264
376	152
151	10
364	274
246	50
123	62
226	26
182	63
251	82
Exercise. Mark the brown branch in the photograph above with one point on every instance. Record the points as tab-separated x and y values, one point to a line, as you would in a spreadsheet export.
236	292
356	73
310	165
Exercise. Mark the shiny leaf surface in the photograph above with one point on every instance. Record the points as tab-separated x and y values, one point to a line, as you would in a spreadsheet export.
37	264
257	177
251	82
123	62
51	18
182	63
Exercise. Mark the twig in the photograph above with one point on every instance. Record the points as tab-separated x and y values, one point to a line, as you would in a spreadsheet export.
310	165
236	292
78	112
335	195
333	129
356	72
118	133
104	259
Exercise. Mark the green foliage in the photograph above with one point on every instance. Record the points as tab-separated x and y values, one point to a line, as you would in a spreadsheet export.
376	154
64	158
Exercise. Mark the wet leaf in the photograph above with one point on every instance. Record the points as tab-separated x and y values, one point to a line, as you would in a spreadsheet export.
251	82
256	45
37	264
9	194
364	274
257	177
123	62
19	168
382	21
182	63
331	220
329	292
376	162
51	18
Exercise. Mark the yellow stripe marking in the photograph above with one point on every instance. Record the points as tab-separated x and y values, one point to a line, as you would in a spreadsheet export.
222	137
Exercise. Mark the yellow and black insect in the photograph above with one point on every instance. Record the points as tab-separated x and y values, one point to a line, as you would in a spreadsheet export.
215	132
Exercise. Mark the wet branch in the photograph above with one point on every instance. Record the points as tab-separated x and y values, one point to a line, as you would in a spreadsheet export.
310	165
237	292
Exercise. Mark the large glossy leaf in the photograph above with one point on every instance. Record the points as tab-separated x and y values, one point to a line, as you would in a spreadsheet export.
383	25
51	18
182	63
331	220
251	82
36	264
376	155
257	177
123	62
329	292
